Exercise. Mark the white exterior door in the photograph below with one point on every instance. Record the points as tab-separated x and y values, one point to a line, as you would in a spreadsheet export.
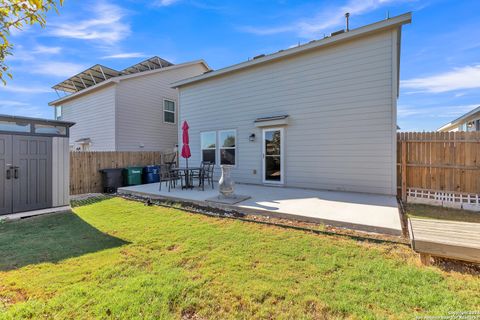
272	153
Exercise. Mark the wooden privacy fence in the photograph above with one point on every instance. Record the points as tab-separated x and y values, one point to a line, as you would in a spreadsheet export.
438	161
85	176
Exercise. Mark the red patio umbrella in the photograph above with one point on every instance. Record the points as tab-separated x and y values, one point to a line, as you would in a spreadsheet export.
185	148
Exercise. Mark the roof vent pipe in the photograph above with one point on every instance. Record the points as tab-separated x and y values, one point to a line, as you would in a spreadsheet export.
347	16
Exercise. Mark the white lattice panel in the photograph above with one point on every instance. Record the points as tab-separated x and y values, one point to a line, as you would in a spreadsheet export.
444	198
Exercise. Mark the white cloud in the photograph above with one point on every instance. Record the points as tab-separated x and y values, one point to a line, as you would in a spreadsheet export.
452	112
165	3
125	55
12	103
24	89
265	31
20	53
25	110
47	50
467	77
106	25
57	69
324	20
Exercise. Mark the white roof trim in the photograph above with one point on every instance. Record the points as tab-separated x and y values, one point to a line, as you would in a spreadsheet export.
374	27
461	119
125	77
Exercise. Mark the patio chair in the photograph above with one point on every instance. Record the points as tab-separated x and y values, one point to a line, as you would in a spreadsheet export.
167	176
207	174
206	171
197	174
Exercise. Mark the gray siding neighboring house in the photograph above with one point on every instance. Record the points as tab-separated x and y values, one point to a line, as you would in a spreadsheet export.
469	122
126	112
321	115
94	114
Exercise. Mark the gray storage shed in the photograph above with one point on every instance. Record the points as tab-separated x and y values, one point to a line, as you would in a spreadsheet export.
34	166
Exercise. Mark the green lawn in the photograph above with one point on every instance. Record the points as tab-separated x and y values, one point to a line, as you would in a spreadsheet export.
117	259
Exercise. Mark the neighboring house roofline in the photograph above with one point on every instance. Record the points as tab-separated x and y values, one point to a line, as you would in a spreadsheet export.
390	23
99	73
117	79
459	120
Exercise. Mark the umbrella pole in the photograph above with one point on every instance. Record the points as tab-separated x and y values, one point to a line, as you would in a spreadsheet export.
187	175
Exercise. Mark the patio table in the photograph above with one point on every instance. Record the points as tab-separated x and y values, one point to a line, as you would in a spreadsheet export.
189	172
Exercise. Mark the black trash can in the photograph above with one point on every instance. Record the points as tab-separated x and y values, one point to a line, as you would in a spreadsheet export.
111	179
151	174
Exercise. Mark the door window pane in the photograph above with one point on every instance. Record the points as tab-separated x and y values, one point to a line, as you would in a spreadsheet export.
273	170
272	142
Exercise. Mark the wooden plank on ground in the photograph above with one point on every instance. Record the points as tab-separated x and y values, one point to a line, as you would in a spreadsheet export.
450	239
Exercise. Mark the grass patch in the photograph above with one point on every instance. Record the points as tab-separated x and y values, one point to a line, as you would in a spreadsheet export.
50	238
441	213
162	263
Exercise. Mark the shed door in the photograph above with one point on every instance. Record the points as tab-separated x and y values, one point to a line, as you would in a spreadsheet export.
5	174
32	173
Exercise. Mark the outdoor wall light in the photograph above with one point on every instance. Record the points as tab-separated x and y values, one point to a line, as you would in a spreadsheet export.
252	137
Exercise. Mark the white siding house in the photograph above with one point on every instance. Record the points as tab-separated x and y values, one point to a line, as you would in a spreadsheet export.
468	122
321	115
94	114
127	112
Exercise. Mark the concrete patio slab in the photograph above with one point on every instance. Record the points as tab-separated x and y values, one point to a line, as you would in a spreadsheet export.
361	211
233	200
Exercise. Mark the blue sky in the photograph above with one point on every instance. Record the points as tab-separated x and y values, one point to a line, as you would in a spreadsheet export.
440	62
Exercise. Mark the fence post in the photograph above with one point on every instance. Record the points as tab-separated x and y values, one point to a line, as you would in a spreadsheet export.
404	171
